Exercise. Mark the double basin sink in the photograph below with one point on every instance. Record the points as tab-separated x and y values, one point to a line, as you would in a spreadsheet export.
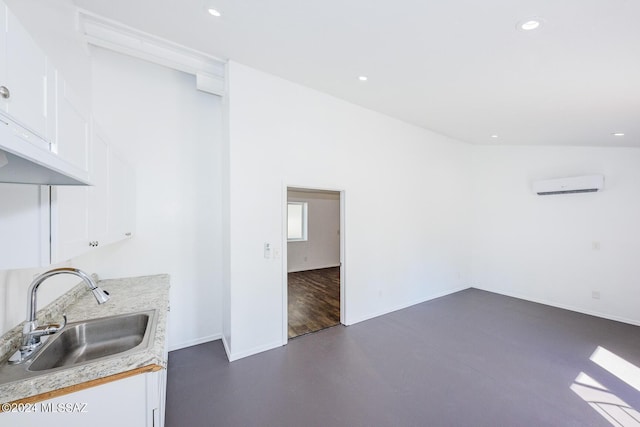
87	341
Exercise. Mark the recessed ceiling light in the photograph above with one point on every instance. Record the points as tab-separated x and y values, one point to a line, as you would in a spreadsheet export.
213	12
529	24
618	134
494	136
363	78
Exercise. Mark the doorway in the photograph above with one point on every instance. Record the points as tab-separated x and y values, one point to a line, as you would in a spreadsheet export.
314	267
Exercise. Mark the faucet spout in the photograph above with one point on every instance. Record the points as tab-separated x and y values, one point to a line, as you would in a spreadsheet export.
100	295
32	332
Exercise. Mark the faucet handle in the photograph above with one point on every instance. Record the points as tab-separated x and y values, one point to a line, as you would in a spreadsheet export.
52	328
64	321
31	339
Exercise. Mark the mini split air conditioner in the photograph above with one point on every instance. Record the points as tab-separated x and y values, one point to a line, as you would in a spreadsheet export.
574	184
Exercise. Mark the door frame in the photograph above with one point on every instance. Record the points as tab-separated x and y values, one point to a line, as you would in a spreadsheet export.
285	298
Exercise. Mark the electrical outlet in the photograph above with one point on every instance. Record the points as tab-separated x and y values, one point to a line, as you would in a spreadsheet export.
595	294
267	251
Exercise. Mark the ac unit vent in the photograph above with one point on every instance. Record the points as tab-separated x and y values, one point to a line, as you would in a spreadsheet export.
546	193
570	185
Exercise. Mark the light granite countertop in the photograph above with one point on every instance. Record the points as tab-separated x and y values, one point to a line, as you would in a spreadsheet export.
128	295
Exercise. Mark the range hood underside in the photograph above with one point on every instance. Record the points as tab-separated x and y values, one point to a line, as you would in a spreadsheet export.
18	170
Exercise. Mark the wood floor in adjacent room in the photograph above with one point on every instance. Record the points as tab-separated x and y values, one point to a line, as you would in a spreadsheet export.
473	358
313	300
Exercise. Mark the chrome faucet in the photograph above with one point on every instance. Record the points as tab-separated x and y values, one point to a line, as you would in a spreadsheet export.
32	332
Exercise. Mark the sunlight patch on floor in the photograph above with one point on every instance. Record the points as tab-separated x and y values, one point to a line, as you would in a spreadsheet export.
616	365
600	398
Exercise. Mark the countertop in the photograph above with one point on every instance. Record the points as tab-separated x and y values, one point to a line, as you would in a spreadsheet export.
127	296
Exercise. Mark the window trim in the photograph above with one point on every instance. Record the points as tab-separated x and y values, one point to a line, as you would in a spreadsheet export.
305	221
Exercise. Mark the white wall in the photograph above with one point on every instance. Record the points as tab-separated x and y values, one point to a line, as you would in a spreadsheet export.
541	248
171	133
284	134
322	247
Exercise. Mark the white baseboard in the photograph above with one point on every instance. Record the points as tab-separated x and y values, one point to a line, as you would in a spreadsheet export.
227	348
196	341
255	350
405	305
562	306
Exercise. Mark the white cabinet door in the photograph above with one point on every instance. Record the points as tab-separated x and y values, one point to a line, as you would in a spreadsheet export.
70	222
24	75
99	193
79	215
122	198
71	141
156	391
118	403
24	226
71	206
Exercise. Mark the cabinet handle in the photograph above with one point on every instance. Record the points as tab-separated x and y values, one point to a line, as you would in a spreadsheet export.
128	234
4	92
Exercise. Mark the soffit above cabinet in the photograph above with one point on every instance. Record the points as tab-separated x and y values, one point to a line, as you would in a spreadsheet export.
113	35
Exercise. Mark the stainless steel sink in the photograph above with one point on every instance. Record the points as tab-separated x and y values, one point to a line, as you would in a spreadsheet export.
87	341
91	340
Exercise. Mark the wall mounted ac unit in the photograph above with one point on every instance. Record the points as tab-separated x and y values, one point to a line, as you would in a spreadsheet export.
574	184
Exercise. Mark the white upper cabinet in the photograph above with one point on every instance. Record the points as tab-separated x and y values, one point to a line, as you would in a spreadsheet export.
99	193
29	111
69	222
84	218
46	137
23	76
122	198
74	208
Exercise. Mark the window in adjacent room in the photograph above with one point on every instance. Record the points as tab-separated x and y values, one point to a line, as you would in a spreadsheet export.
297	221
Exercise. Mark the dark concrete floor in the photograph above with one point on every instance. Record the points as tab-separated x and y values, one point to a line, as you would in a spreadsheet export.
469	359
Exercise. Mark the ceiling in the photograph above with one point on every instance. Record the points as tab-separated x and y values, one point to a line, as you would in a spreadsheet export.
459	67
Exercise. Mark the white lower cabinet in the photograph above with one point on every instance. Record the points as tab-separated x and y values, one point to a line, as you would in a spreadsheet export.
137	401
